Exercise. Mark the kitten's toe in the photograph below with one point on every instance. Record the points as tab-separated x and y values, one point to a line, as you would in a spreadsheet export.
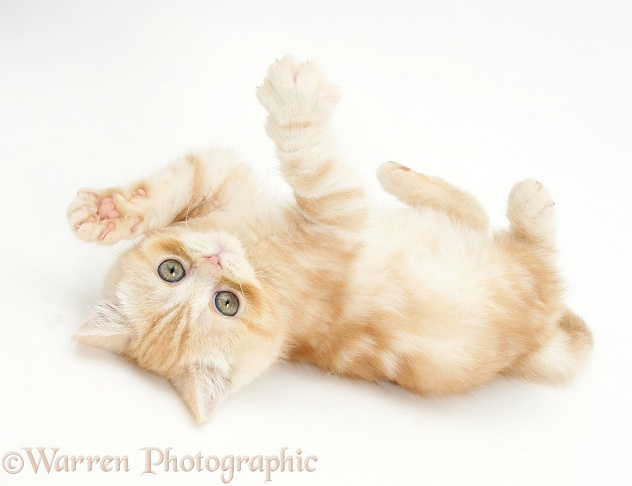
82	209
286	68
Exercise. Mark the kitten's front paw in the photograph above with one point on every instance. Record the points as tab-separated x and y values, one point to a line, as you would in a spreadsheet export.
296	94
108	216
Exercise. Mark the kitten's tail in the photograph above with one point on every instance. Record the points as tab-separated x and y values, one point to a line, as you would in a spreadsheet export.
559	359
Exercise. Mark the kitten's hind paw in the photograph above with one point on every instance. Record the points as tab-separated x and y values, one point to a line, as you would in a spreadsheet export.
108	216
399	180
296	94
391	173
531	211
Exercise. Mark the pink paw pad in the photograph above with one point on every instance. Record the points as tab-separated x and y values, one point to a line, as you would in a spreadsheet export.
137	221
399	166
107	209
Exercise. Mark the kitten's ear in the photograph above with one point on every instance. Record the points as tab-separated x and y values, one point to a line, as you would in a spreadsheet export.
202	386
106	328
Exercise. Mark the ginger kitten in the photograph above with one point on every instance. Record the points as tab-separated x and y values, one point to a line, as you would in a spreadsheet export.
226	280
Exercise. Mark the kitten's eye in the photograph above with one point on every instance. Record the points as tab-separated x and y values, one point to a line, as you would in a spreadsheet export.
171	271
226	303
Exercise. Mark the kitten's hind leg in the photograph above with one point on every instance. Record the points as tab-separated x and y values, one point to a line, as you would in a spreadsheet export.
416	189
531	211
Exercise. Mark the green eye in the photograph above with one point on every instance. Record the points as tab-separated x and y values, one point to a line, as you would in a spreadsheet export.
226	303
171	271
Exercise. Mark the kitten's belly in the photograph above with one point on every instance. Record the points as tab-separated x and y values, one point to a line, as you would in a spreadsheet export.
421	255
424	288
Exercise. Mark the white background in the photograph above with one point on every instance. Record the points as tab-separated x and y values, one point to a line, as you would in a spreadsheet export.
481	93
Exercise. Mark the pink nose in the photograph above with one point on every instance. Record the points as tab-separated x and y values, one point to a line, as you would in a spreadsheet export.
214	259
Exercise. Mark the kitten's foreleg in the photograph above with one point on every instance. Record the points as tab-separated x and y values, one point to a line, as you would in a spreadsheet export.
192	186
416	189
300	103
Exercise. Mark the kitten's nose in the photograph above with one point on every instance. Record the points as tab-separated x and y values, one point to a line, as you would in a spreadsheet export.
214	259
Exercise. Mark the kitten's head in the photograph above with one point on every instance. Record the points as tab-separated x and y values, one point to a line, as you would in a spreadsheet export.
188	306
